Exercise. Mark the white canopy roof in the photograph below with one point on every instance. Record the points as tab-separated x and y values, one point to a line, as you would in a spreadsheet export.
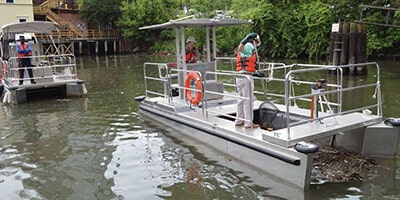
30	27
197	23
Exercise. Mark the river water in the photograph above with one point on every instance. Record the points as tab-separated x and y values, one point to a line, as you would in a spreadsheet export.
100	148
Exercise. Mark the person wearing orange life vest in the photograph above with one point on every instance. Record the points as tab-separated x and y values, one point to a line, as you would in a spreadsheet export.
246	63
24	51
192	53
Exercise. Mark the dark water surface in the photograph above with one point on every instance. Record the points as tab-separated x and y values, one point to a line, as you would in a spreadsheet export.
100	148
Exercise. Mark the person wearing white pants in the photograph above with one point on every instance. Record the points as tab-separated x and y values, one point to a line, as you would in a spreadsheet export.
246	64
245	89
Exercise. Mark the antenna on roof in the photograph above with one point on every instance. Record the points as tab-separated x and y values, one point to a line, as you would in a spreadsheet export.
186	17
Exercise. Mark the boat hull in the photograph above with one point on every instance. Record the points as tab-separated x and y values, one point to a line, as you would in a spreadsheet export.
23	93
286	164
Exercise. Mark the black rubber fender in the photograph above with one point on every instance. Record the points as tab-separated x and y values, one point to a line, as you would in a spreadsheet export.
139	98
306	147
393	122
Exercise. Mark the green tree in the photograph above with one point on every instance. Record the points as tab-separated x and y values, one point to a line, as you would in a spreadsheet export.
207	8
317	24
288	28
382	39
261	12
138	13
102	12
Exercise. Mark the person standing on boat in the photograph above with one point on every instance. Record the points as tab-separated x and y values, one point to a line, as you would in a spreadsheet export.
24	52
192	53
246	63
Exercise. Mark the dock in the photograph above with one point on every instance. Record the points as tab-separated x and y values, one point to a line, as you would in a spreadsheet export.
77	36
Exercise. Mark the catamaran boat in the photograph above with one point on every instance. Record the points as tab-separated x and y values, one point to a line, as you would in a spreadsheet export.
54	73
299	107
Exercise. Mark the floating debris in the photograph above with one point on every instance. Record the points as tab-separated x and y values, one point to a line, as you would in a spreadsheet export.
338	166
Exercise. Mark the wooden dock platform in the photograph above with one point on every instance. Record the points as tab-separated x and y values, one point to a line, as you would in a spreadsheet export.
76	35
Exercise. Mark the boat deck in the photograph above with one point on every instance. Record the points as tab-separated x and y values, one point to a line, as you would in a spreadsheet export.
49	81
304	132
317	130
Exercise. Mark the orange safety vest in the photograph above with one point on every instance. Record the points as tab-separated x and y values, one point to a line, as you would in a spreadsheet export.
189	56
25	46
250	64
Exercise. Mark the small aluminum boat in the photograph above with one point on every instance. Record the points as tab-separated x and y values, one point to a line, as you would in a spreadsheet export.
54	73
298	108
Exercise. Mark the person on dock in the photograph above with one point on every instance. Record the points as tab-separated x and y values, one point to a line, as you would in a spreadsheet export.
192	53
24	52
246	63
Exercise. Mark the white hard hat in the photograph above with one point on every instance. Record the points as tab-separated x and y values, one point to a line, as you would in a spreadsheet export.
191	39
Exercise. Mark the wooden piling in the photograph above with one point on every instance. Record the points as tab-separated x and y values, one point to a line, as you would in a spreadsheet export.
97	47
345	43
348	46
105	47
80	48
120	46
115	46
89	47
73	47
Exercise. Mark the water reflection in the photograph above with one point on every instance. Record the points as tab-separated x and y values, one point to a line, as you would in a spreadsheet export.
193	170
101	148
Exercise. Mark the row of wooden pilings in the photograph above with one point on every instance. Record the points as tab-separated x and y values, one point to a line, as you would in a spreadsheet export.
95	47
348	46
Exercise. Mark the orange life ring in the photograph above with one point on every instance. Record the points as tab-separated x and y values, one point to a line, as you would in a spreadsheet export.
193	76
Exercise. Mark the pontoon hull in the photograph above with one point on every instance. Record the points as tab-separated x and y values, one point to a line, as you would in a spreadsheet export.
286	164
21	94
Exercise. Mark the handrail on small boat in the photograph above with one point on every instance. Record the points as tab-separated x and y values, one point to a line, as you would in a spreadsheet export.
165	76
339	89
162	76
303	79
290	85
45	67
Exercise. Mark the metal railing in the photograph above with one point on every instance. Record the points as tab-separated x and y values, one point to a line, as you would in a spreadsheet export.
289	85
46	68
160	72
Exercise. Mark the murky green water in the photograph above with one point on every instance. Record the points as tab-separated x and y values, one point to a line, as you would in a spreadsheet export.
100	148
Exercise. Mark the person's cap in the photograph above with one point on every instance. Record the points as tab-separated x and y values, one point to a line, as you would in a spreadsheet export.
191	39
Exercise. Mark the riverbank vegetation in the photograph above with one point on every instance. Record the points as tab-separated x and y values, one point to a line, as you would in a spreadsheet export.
288	28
